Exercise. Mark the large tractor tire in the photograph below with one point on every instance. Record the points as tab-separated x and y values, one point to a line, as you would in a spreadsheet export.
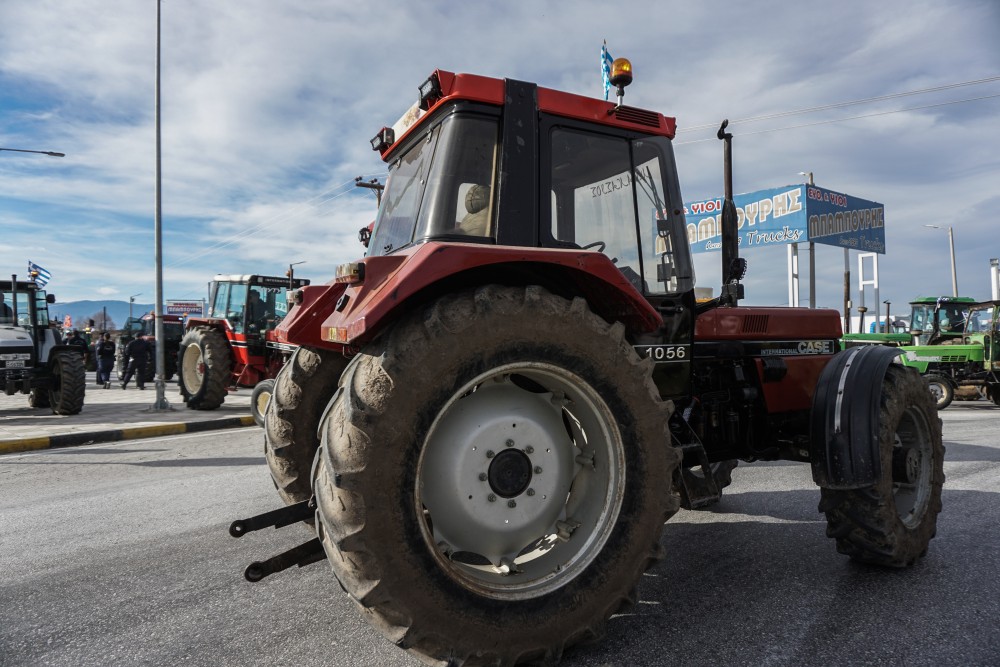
67	382
892	522
494	477
302	390
206	364
150	373
993	392
942	391
121	363
259	398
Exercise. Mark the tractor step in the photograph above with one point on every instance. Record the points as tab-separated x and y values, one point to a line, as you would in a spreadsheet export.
697	489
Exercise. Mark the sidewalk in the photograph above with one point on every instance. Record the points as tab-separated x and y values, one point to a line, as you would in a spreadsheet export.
113	414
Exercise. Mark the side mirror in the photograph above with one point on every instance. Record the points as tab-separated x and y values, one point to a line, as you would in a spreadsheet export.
50	298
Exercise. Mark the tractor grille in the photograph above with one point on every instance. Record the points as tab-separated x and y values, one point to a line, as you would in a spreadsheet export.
638	116
755	324
953	358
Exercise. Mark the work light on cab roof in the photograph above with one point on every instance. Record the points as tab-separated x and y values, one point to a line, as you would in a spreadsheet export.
621	76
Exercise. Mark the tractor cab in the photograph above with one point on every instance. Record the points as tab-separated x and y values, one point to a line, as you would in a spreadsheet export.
936	320
251	305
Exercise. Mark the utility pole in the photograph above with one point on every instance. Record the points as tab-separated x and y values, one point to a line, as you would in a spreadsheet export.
161	403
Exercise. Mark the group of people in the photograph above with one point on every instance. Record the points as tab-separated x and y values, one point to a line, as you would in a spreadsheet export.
136	355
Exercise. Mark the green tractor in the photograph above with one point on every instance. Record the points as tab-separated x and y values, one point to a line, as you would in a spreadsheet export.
952	342
959	355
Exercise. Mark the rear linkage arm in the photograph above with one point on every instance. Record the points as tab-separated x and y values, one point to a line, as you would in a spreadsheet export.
302	555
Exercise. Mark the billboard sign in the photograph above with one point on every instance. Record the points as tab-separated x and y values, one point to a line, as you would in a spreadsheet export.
790	214
185	308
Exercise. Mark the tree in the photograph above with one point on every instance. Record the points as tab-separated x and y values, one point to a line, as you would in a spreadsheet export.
103	322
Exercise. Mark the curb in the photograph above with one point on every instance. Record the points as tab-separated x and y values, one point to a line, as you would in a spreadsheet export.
115	435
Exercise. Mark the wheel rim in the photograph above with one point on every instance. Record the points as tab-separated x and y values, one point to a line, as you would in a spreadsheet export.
262	398
936	391
193	368
912	463
56	382
520	480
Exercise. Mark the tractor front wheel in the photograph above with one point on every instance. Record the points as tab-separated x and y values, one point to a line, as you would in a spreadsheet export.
259	398
304	386
494	477
205	368
67	382
942	391
892	522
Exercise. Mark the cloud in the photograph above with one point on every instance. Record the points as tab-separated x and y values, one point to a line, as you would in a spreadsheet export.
266	110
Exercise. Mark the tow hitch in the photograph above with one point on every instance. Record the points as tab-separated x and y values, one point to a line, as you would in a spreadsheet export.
302	555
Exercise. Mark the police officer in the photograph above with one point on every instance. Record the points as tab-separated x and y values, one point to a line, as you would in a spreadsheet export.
104	350
136	353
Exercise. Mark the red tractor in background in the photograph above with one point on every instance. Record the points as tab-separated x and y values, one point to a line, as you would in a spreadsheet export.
235	345
490	417
145	327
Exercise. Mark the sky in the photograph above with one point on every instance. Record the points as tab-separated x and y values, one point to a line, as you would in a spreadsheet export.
267	109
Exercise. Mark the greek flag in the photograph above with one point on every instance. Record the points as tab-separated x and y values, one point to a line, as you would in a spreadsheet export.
606	69
38	274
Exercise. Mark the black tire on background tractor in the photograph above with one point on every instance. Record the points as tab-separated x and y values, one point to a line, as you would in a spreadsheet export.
502	430
150	374
993	392
67	382
39	398
892	522
301	392
942	391
206	365
259	398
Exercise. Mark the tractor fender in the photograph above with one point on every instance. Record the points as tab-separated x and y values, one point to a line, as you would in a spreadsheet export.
844	421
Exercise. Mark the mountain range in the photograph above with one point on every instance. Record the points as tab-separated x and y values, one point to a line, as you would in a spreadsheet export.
82	311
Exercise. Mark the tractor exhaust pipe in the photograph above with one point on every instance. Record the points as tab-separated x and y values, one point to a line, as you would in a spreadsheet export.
733	267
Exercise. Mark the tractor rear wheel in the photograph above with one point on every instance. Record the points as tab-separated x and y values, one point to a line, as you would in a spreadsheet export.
206	365
942	391
892	522
301	392
494	477
259	398
67	382
993	392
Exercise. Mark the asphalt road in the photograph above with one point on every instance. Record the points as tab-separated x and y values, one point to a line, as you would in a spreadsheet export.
119	555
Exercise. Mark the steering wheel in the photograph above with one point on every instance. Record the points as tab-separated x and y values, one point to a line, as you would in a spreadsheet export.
600	245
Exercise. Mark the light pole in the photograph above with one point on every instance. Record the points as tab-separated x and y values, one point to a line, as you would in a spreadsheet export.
22	150
812	254
951	244
291	273
131	300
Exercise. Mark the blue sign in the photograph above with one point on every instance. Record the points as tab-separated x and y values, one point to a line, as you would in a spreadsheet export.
792	214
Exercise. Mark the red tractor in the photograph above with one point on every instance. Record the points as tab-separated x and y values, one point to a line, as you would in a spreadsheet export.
145	327
491	416
235	346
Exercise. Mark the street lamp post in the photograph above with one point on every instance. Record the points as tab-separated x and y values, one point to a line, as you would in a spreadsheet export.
951	245
812	254
131	300
22	150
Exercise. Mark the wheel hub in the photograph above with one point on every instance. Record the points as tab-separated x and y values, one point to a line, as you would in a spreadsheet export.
905	465
510	473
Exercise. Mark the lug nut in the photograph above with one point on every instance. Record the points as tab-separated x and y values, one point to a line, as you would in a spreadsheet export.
482	477
538	470
529	450
492	498
511	503
509	443
490	453
531	492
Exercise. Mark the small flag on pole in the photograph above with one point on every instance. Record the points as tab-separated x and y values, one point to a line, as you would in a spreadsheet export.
606	69
38	274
